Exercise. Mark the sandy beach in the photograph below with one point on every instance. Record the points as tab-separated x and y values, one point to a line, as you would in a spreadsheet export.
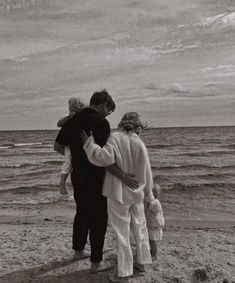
197	245
173	62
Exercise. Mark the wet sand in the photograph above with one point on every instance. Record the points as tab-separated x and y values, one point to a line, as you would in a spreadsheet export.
197	246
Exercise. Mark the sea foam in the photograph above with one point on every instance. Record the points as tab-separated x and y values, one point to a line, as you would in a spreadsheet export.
224	19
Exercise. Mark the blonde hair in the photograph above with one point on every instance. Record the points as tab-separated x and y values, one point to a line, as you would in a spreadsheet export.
131	122
76	104
156	191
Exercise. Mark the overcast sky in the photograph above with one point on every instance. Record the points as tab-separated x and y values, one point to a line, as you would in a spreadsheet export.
171	61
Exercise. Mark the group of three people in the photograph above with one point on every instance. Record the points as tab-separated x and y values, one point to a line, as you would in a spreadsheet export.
111	178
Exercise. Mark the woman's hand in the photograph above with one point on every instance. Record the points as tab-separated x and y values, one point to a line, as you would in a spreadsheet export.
84	136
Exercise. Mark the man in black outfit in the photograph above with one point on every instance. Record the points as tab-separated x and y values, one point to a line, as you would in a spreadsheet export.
87	179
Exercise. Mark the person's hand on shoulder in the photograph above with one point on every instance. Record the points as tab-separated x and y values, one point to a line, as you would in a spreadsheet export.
84	136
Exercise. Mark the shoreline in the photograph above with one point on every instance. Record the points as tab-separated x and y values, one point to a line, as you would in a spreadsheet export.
197	241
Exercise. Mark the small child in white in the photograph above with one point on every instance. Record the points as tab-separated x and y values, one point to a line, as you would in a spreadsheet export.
75	105
155	220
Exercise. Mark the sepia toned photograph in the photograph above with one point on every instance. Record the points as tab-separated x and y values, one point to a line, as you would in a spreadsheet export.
117	141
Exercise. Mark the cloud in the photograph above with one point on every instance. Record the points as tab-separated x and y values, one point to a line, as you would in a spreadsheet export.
150	56
163	91
177	88
153	86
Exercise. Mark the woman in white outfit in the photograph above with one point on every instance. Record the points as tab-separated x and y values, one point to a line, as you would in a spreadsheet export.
125	206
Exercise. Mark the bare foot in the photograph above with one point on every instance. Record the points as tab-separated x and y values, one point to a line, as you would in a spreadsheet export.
80	255
117	279
100	266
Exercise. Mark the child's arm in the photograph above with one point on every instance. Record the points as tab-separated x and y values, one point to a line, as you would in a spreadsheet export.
62	121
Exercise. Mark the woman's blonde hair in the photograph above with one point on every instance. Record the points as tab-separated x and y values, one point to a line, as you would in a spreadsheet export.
131	122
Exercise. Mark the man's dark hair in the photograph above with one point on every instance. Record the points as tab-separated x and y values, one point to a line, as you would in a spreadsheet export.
101	97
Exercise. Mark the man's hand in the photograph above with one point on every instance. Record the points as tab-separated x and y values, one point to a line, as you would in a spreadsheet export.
130	181
84	136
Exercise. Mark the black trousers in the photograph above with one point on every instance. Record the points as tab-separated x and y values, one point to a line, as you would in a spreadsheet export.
90	219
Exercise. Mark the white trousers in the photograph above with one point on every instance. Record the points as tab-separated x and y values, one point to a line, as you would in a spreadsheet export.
67	165
122	217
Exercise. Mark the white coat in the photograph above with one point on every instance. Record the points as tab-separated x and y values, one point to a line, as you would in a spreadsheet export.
131	156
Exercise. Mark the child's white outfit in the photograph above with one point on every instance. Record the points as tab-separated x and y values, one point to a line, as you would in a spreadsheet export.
67	165
125	206
155	219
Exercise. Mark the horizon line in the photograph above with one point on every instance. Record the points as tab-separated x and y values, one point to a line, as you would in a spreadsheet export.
157	127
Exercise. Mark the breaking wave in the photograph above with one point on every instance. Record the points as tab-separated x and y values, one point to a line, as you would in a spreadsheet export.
27	144
188	187
17	165
194	166
38	200
225	19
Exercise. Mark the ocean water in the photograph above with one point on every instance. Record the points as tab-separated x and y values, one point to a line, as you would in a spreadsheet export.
181	158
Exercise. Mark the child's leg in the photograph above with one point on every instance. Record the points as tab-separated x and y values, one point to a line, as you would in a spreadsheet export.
66	168
139	227
153	248
63	179
153	242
